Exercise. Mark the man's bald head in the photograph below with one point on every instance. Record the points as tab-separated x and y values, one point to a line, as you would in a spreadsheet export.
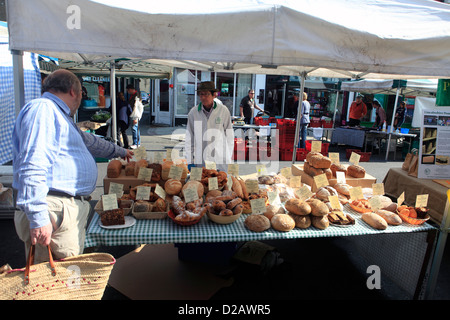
61	81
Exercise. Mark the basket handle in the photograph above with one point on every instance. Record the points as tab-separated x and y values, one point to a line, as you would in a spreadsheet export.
30	262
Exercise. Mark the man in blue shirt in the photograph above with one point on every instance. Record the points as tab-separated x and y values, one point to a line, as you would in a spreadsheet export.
55	170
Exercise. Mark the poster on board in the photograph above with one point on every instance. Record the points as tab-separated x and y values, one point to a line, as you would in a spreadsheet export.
434	148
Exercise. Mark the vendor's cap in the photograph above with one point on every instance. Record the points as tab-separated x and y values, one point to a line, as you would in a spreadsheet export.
207	86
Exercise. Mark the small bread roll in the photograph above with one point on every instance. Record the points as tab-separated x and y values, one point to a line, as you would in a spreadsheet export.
129	168
236	187
272	210
173	186
257	222
356	171
218	205
282	222
238	209
159	206
320	222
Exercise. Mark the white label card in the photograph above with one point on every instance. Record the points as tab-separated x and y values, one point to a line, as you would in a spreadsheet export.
196	173
160	191
286	172
334	157
116	188
140	153
401	199
421	200
210	165
258	205
316	146
340	177
252	186
109	202
303	193
145	174
378	189
354	158
143	193
175	172
213	183
233	169
190	194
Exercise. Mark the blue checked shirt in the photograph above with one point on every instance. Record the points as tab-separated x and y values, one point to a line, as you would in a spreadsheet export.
51	153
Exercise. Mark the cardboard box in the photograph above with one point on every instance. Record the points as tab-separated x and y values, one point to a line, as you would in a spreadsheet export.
366	182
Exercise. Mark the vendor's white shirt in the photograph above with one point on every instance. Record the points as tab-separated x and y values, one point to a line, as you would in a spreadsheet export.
210	139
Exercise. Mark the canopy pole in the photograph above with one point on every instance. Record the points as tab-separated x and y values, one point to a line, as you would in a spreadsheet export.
113	101
392	124
299	115
335	108
19	82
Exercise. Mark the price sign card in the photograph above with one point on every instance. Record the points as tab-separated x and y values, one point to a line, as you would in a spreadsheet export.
334	201
145	174
190	194
321	180
295	182
316	146
354	158
303	193
160	191
196	173
213	183
334	157
421	200
210	165
258	205
169	154
116	188
158	157
233	169
375	203
274	198
109	201
143	193
378	189
252	186
356	193
340	177
140	153
175	172
175	154
286	172
261	170
401	198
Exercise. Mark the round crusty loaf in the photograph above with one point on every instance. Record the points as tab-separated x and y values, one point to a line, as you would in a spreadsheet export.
172	186
282	222
257	222
196	184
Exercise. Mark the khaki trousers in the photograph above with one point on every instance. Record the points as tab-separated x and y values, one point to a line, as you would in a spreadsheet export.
68	217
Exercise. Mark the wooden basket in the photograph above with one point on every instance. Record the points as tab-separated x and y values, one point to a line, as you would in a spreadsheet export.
151	215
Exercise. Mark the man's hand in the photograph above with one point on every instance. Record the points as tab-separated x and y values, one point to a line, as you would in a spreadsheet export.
129	155
42	235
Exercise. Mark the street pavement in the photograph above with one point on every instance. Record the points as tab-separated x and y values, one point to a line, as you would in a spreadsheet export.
248	279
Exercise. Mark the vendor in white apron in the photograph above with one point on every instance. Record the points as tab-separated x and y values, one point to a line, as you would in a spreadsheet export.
209	134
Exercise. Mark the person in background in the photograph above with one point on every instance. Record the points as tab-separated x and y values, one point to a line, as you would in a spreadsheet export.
358	110
304	120
54	169
134	100
209	134
400	115
123	118
380	115
292	106
248	104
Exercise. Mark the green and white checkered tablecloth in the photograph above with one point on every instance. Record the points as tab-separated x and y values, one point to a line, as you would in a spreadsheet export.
166	231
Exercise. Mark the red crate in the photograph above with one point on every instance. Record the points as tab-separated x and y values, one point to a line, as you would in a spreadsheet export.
327	123
286	154
315	124
261	153
324	149
365	156
301	154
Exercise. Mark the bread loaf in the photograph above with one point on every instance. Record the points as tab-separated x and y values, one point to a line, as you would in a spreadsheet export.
257	222
114	168
142	206
337	167
318	208
342	188
321	222
159	206
301	222
282	222
356	171
374	220
172	186
236	187
298	207
165	169
129	168
197	185
317	160
390	217
310	170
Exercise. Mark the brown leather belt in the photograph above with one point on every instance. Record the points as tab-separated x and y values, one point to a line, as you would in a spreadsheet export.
66	195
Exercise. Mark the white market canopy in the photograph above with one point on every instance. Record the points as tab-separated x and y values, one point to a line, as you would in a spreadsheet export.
330	38
414	87
373	39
